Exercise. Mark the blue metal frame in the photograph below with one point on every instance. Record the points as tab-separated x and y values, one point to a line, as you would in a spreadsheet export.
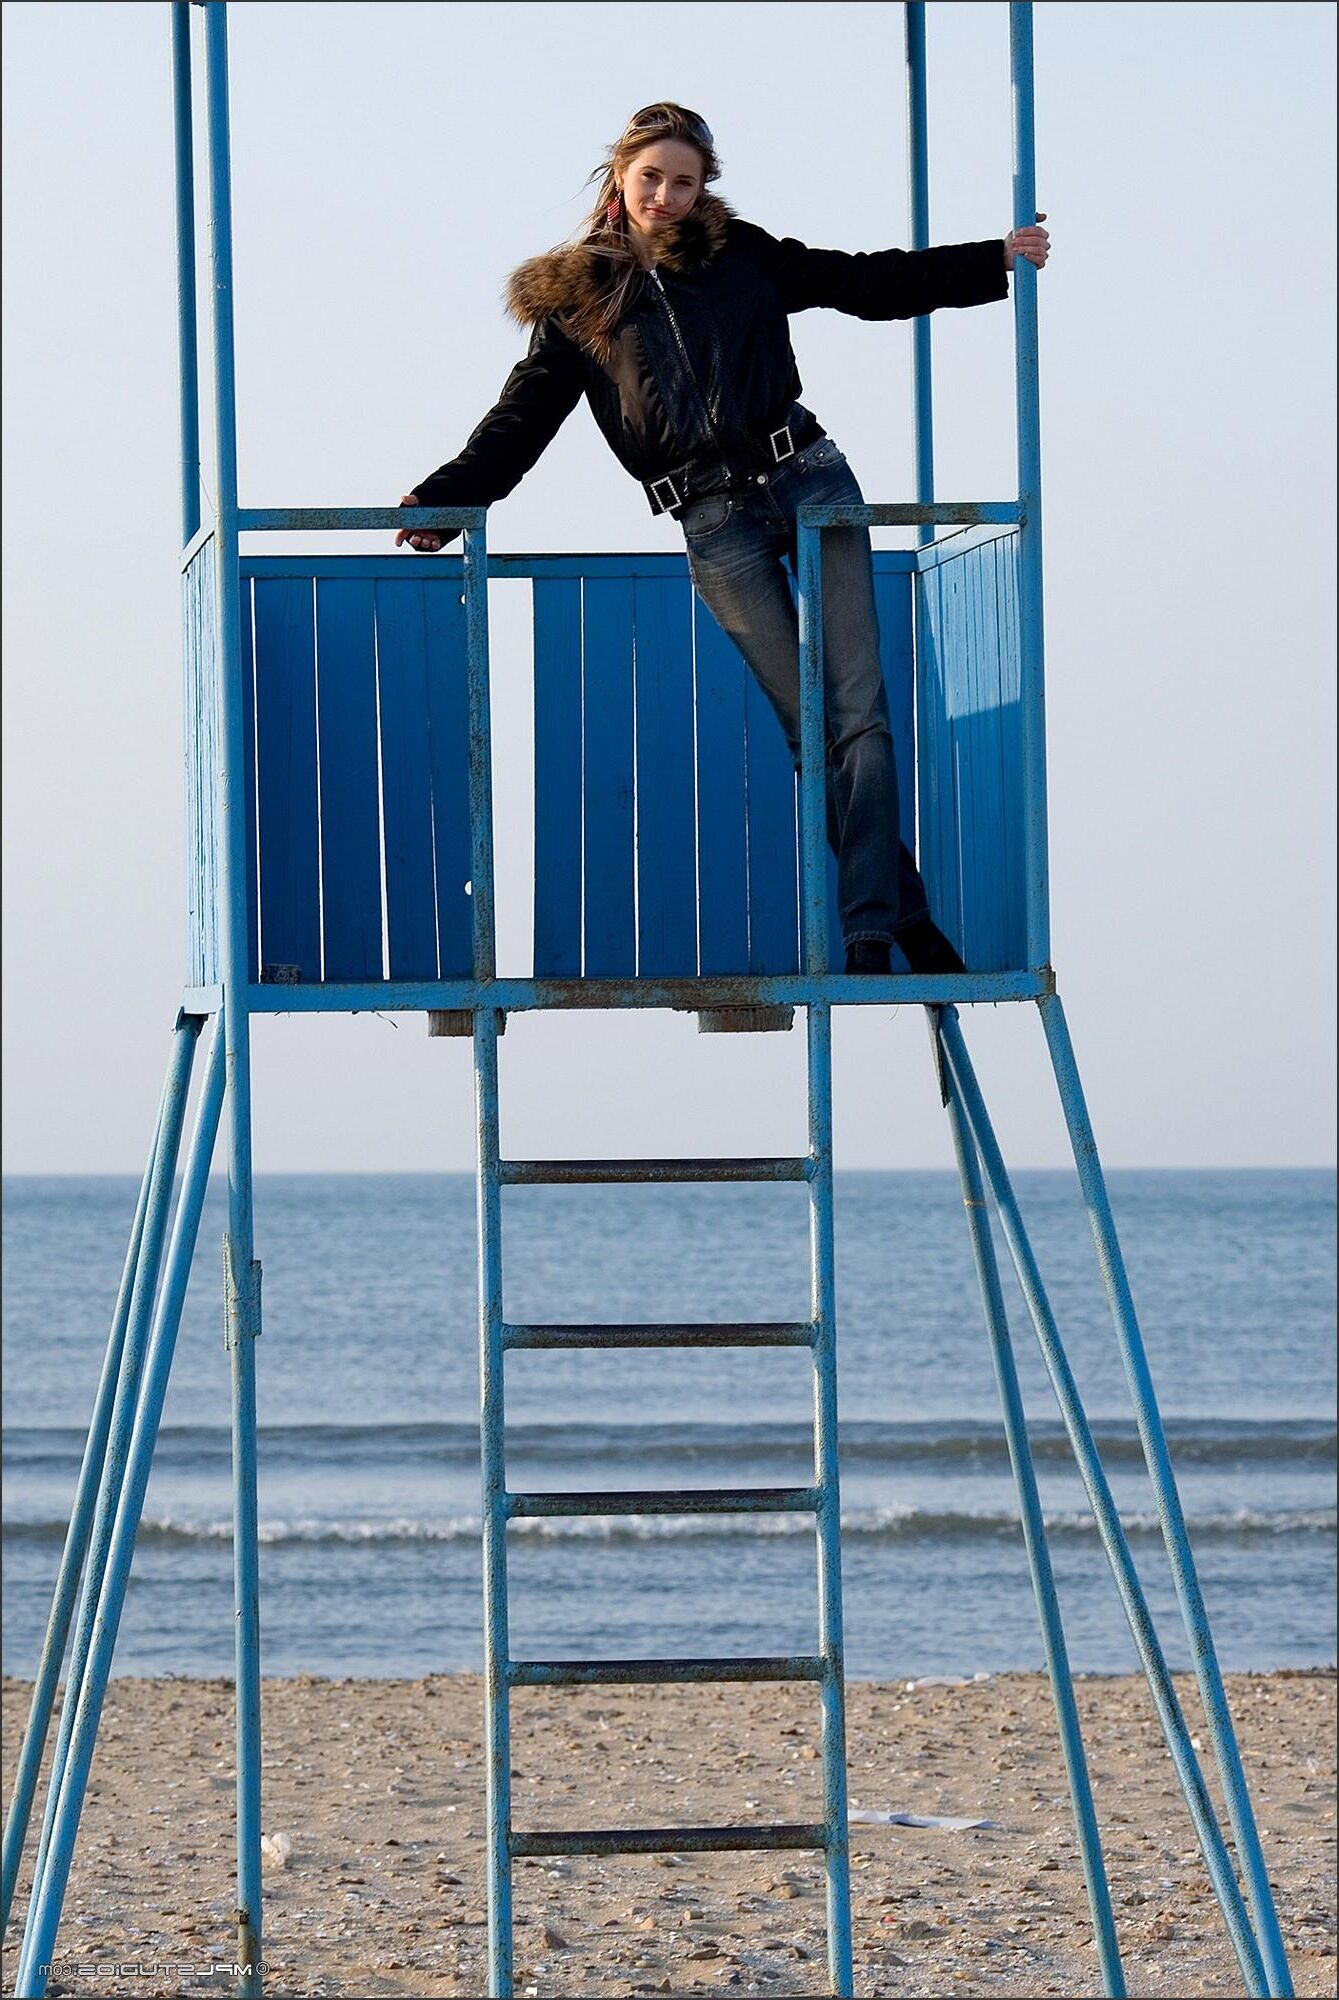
241	1271
918	174
970	1106
1034	1529
1157	1457
1028	398
93	1636
76	1537
130	1396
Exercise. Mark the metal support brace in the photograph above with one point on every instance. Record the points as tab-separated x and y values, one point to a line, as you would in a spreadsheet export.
76	1541
1109	1528
1157	1458
1034	1528
121	1498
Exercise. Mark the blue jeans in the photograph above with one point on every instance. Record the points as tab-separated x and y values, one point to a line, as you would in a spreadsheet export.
736	541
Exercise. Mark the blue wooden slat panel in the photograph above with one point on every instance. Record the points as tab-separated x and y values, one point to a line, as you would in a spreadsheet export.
245	625
1011	739
970	753
973	728
607	725
991	777
893	599
836	947
209	794
892	596
406	778
666	858
773	858
557	615
197	778
449	755
1005	946
350	817
290	855
955	655
722	834
938	852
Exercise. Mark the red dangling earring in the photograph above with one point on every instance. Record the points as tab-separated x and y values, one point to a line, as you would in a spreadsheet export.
611	212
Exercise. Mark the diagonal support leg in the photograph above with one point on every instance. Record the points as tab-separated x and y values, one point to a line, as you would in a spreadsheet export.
1034	1530
83	1700
144	1291
1153	1438
1110	1531
76	1547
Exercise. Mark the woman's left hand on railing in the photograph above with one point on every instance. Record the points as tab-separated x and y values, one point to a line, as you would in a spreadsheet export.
1030	242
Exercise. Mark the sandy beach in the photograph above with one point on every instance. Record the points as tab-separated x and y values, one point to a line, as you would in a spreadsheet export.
378	1886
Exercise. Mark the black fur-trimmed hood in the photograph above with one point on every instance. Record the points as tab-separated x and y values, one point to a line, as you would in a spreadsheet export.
573	282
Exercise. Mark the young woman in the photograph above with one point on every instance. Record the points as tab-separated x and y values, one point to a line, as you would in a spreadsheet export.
669	313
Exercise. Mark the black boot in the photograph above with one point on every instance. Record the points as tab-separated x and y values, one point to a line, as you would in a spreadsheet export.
925	947
868	955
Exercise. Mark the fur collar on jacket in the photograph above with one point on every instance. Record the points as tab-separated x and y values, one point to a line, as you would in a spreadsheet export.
578	282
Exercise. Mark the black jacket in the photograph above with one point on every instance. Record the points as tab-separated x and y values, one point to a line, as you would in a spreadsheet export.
701	360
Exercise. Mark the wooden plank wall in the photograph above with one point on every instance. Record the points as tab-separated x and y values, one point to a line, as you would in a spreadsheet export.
199	654
665	825
359	797
665	795
970	735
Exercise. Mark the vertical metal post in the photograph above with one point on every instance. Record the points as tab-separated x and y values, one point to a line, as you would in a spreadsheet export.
1110	1532
1153	1438
497	1710
813	754
187	351
1034	1528
56	1844
76	1545
242	1273
918	174
482	911
832	1691
1031	632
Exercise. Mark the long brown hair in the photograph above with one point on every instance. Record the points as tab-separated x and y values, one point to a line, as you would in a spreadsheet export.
610	239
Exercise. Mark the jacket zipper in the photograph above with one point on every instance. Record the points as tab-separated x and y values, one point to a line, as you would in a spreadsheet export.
688	366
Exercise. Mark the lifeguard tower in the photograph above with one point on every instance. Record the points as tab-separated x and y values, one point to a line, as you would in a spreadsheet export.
340	849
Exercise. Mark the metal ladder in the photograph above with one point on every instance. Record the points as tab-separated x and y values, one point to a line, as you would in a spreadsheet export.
824	1667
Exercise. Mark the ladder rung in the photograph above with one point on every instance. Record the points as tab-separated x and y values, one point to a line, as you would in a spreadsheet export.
631	1673
523	1173
669	1840
670	1500
745	1333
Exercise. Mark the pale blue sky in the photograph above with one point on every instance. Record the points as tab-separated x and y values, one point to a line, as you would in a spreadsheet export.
392	163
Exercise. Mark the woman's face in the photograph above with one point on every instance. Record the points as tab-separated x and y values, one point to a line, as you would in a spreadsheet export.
661	183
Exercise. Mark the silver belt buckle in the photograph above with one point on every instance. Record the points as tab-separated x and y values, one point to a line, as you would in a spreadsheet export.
789	452
676	498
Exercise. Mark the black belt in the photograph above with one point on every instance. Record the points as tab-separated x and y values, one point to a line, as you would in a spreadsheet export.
674	491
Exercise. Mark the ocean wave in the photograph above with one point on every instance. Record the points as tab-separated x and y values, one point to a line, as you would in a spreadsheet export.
893	1523
977	1444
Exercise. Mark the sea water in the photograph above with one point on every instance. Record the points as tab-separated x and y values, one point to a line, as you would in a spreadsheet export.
367	1378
